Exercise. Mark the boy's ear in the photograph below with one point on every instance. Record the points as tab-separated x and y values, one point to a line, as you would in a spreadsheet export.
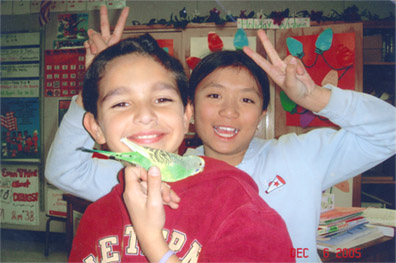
262	116
188	112
93	128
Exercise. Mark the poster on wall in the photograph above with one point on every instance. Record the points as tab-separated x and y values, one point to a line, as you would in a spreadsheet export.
19	88
20	129
19	195
20	65
329	59
63	72
72	31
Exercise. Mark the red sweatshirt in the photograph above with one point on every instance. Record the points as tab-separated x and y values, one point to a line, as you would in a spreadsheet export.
221	218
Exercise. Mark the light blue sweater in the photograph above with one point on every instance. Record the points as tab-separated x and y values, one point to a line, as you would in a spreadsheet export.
291	171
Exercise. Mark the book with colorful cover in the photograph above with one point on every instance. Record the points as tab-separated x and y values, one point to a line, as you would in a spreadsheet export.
340	214
351	238
339	226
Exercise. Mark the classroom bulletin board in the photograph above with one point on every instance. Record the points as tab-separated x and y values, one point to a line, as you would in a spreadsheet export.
20	92
20	56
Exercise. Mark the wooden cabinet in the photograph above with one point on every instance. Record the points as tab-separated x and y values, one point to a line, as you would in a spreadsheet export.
378	183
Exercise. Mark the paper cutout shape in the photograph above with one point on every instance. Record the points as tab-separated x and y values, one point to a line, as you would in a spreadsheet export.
192	62
331	78
343	186
240	39
287	104
295	47
306	118
324	41
214	42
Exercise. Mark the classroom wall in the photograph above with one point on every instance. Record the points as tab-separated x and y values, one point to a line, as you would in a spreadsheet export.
143	11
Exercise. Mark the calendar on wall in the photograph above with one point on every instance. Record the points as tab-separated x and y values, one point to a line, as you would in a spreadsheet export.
63	72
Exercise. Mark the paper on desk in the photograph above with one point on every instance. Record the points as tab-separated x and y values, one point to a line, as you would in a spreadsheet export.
380	216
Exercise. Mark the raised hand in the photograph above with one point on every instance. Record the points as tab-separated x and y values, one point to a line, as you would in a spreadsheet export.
291	76
100	41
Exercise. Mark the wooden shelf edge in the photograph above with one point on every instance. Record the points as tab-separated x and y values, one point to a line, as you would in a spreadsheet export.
380	63
378	180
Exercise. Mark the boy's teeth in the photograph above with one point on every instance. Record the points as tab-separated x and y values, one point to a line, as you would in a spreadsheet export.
145	137
226	131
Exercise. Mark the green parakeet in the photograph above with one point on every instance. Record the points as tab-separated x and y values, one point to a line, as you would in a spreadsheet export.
173	167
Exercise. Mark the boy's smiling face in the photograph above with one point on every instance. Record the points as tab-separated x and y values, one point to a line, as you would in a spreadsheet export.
138	99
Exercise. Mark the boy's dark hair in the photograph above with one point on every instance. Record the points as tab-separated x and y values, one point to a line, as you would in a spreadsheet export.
224	59
143	45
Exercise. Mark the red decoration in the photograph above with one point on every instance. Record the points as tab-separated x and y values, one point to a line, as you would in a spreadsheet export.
214	42
192	62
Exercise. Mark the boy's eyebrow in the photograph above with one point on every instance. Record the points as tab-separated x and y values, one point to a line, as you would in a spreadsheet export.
165	86
216	85
157	86
114	92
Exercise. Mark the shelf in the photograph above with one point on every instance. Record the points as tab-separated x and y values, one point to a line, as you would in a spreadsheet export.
378	180
380	63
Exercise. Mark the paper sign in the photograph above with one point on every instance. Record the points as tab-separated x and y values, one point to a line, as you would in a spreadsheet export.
19	195
56	206
19	88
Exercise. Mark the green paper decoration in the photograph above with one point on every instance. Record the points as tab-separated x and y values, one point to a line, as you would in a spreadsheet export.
240	39
287	104
295	47
324	41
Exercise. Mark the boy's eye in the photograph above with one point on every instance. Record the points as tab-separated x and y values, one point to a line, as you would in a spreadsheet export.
162	100
247	100
120	105
214	96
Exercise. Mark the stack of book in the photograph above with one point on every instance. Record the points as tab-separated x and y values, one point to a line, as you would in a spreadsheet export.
345	227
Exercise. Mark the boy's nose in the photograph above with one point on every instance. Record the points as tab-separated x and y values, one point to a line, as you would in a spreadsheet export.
229	110
145	115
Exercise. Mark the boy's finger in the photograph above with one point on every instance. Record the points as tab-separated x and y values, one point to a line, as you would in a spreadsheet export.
262	62
174	197
270	50
104	22
154	197
131	178
166	193
119	28
291	77
96	41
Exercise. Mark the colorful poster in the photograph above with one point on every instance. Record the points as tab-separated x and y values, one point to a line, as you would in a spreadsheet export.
72	26
329	59
19	195
63	72
20	129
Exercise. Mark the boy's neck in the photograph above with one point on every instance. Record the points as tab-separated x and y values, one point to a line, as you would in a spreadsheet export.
231	159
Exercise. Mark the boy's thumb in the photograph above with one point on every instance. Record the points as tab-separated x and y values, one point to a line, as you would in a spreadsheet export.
154	184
